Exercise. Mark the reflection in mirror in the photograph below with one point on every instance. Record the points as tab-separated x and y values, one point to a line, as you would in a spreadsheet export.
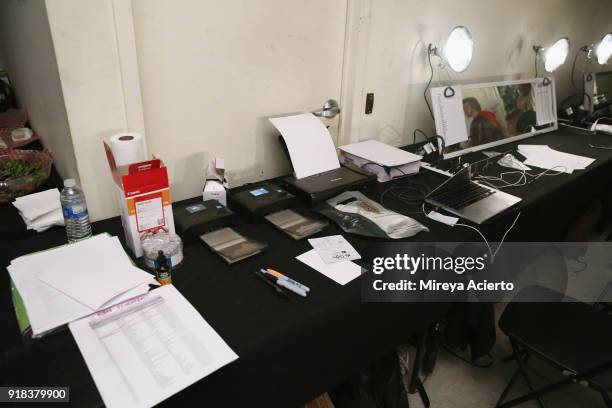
499	113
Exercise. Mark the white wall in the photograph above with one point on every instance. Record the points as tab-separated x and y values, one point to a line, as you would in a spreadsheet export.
94	44
28	53
398	32
212	71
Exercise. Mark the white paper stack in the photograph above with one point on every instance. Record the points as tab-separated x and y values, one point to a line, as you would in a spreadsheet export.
547	158
386	161
40	211
333	256
63	284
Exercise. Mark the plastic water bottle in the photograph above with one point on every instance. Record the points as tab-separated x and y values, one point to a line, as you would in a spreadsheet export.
75	212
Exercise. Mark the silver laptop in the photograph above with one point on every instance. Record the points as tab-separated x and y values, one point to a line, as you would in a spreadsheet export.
468	199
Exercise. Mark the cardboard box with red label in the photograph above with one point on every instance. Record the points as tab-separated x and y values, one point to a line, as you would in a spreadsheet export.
144	198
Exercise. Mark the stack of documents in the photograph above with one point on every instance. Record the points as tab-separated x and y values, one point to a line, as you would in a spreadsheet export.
146	349
544	157
333	256
386	161
40	211
61	285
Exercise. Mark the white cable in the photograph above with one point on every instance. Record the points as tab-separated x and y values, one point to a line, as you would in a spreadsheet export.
482	236
491	252
522	180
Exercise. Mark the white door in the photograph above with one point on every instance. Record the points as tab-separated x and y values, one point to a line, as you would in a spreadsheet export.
211	72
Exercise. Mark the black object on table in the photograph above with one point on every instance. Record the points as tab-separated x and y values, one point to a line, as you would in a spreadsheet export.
292	351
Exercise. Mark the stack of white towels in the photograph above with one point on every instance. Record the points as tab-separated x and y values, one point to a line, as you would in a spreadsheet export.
40	211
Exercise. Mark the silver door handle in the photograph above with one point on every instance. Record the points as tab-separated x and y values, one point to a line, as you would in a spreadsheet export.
330	109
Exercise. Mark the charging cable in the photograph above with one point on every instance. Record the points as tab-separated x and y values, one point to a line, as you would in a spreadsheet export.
449	221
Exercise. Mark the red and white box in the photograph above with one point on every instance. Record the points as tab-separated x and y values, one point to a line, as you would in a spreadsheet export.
143	191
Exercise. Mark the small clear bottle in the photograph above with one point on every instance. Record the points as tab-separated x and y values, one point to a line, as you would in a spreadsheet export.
74	208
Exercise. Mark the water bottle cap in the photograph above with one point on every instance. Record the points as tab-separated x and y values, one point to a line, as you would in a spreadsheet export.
69	183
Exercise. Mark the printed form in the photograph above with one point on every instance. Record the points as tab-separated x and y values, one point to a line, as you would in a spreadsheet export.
142	351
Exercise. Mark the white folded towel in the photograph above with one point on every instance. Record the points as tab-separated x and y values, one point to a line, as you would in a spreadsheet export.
40	211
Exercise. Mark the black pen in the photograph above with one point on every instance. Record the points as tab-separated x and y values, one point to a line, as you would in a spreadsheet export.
273	285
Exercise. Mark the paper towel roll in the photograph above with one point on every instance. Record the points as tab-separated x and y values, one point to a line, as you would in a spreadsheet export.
127	148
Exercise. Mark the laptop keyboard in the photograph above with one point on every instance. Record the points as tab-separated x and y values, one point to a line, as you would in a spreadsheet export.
461	196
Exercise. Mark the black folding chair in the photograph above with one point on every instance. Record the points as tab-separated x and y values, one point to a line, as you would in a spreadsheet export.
571	336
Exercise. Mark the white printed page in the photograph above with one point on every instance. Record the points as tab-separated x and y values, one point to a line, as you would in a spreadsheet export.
334	248
309	143
449	116
341	272
544	103
145	350
149	214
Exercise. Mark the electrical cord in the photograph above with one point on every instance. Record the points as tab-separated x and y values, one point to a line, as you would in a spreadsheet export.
414	133
431	75
594	131
574	69
387	169
522	179
492	253
562	105
410	193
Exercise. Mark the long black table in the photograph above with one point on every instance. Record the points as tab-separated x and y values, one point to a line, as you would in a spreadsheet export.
291	351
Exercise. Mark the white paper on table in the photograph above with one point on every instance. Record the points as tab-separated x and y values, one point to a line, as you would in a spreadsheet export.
34	205
381	153
48	308
544	103
547	158
143	351
449	115
334	248
342	272
92	271
444	219
309	143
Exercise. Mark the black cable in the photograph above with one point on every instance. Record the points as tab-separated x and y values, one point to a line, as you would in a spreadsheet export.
429	82
574	69
573	82
563	103
385	168
414	133
409	193
536	64
441	148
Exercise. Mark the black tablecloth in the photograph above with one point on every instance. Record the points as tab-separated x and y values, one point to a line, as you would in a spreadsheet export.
291	351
